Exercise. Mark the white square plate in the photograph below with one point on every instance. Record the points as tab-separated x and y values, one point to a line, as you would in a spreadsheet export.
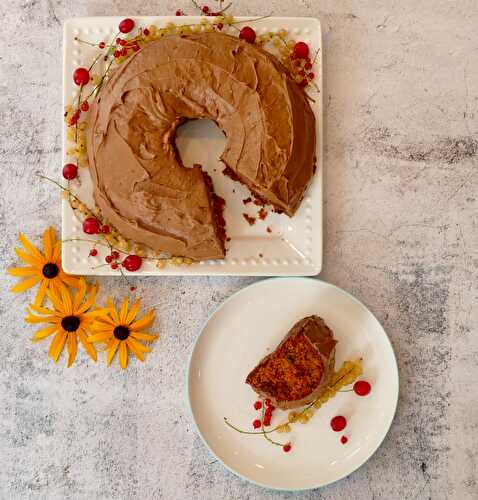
294	245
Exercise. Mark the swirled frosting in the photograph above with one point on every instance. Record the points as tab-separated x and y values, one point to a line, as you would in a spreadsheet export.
139	181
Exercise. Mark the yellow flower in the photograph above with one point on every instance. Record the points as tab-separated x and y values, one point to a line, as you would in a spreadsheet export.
44	268
120	330
70	319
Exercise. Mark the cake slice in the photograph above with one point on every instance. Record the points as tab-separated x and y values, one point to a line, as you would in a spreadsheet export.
299	370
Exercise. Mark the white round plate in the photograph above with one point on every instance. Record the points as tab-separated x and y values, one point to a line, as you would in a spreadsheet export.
249	325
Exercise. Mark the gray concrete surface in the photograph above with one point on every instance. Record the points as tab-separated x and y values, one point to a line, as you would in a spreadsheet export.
401	235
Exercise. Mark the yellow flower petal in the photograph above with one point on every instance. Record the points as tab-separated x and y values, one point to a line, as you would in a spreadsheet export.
31	249
114	312
31	318
79	295
44	332
133	312
89	348
23	271
97	313
55	298
56	252
57	345
90	301
123	355
72	348
144	336
66	278
29	259
144	322
48	240
41	292
99	337
137	352
41	310
112	348
123	314
66	299
25	284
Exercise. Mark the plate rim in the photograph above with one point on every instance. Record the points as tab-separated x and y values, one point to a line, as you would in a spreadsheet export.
188	375
312	268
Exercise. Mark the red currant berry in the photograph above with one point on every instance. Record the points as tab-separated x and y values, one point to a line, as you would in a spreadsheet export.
256	424
267	402
311	76
84	106
303	84
362	388
146	31
287	447
114	265
70	171
81	76
105	229
93	252
102	45
267	420
344	439
91	226
220	26
132	263
132	288
126	25
179	12
247	34
308	65
268	412
117	53
301	50
115	254
205	9
74	119
257	405
338	423
136	48
122	42
109	259
124	51
302	72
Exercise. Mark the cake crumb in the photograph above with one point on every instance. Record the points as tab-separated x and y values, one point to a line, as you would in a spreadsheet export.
260	255
247	200
258	202
269	229
262	214
251	220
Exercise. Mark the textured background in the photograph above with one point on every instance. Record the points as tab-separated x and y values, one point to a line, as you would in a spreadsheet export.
401	235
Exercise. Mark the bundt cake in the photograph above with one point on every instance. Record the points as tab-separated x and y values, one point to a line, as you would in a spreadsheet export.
140	183
299	370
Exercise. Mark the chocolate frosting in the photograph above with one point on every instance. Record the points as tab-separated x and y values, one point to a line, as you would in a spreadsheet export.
139	181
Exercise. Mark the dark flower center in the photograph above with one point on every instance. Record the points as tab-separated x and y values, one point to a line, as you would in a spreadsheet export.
70	323
121	332
50	271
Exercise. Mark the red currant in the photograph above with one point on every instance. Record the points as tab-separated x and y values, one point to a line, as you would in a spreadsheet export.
81	76
179	12
114	265
308	65
344	439
257	405
338	423
132	262
76	116
93	252
362	388
287	447
303	84
136	48
124	51
109	259
132	288
267	402
91	226
311	75
302	72
84	106
301	50
105	229
70	171
115	254
117	53
268	412
247	34
205	9
146	31
126	25
102	45
220	26
267	420
256	424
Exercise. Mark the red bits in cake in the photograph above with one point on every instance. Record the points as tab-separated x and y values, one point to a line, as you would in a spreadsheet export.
248	34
